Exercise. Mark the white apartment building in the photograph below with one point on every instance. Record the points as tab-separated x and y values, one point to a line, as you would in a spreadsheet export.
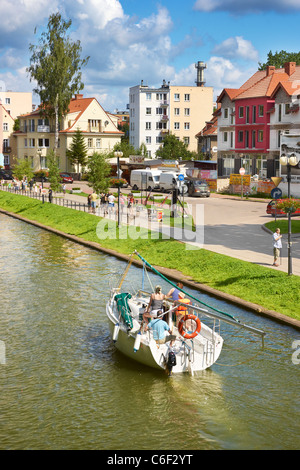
155	112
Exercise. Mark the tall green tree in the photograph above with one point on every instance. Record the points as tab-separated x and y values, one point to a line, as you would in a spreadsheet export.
77	153
173	149
98	171
278	59
53	171
55	65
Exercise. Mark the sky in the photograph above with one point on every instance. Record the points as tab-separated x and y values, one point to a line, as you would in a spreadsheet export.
130	40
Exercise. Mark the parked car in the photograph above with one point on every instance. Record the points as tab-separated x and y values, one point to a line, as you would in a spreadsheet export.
66	178
4	175
273	210
197	188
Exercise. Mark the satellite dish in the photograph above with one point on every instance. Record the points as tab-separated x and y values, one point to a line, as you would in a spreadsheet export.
214	149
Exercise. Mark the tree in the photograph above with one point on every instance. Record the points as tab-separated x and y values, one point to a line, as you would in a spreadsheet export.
23	169
278	59
124	147
173	149
56	65
53	173
98	171
77	153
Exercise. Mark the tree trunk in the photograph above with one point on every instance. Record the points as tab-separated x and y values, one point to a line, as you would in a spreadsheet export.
56	125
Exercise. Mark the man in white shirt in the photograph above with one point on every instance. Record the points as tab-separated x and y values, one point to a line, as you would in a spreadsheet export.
111	203
277	245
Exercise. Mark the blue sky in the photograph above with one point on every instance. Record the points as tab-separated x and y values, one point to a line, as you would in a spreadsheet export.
129	41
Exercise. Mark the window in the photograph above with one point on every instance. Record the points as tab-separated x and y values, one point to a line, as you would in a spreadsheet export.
240	136
186	126
176	111
253	139
187	97
159	110
159	139
98	143
161	125
246	139
225	113
241	111
43	143
225	136
254	114
176	97
261	110
90	142
176	126
25	142
231	139
148	96
5	126
32	143
186	111
279	113
7	100
260	136
247	114
5	144
148	110
278	138
43	163
186	140
287	108
31	125
148	139
148	126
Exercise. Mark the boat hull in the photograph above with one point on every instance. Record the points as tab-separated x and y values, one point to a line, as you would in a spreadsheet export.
191	356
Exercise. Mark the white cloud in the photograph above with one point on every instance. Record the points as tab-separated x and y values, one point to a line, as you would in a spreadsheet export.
247	6
236	47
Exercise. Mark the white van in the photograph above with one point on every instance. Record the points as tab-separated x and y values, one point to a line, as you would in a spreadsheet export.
145	179
169	181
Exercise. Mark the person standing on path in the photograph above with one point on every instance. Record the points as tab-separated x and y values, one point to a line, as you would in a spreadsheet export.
93	202
277	245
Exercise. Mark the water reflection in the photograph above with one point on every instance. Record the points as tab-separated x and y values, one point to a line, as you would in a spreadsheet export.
65	386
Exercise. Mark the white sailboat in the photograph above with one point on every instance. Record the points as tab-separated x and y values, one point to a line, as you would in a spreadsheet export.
196	347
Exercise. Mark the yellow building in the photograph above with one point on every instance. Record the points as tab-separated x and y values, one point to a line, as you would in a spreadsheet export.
190	108
37	133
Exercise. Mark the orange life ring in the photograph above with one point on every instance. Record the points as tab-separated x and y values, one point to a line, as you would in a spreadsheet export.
184	319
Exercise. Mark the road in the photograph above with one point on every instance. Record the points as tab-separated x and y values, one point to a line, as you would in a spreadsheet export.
235	228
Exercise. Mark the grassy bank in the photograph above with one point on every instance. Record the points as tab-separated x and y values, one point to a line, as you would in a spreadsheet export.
272	289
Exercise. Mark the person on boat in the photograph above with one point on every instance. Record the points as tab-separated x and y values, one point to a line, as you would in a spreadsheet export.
175	293
155	303
159	327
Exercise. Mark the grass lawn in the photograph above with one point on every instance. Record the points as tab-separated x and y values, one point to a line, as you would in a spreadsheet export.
282	223
271	289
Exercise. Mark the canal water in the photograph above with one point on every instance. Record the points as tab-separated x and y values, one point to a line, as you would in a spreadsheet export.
64	386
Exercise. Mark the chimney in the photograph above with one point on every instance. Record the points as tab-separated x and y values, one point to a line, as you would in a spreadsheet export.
270	70
290	68
78	96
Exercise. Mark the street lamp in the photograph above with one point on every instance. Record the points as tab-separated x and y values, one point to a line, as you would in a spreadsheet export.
289	161
118	155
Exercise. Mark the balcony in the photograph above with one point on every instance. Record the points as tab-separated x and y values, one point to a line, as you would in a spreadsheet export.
164	118
164	104
43	128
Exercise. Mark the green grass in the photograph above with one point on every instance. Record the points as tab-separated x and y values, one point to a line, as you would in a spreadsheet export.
282	223
271	289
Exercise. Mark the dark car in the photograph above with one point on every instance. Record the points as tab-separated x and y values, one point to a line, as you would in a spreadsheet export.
5	176
273	210
66	178
198	188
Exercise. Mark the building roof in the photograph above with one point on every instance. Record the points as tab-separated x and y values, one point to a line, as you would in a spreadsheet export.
263	83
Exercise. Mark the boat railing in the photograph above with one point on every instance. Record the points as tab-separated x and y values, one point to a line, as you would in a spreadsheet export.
228	320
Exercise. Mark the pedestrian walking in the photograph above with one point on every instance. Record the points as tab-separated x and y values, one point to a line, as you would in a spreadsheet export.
50	195
277	245
89	202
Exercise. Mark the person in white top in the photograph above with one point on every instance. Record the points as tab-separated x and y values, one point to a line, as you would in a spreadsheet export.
277	245
111	203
